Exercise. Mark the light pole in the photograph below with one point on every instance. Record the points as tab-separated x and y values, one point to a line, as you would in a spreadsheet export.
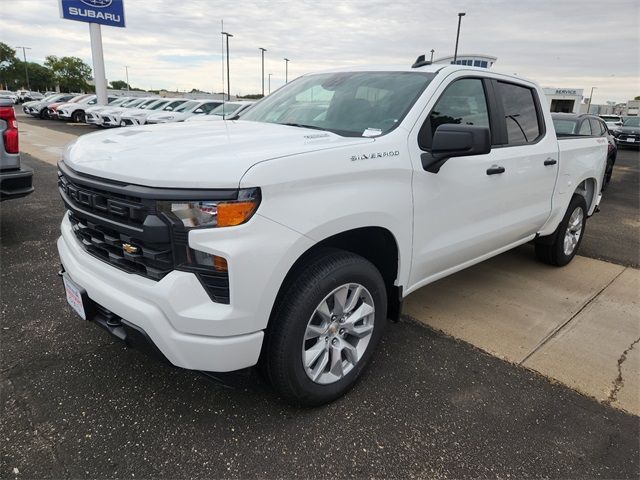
270	82
590	97
126	70
228	78
286	70
26	68
432	52
455	55
263	50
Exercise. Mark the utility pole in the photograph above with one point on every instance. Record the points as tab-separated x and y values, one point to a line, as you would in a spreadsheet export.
263	50
590	97
286	70
26	68
455	55
432	51
270	82
228	78
126	69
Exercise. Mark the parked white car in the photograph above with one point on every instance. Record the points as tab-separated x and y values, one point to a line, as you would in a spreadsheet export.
291	235
9	95
40	107
186	110
75	111
228	110
612	121
138	116
92	114
111	117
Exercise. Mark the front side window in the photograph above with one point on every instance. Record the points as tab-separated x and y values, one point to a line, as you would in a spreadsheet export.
346	103
520	113
207	107
462	103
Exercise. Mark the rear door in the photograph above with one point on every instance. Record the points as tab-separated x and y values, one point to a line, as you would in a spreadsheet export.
529	155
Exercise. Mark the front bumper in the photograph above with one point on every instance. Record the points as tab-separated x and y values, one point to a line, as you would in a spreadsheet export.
131	121
176	313
627	140
16	183
93	118
110	121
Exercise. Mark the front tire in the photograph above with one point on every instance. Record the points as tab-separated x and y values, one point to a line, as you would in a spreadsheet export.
77	116
561	246
325	328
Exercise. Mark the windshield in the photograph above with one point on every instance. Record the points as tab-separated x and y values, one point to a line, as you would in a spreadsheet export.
172	105
188	106
225	109
347	103
565	127
134	102
157	105
632	122
147	103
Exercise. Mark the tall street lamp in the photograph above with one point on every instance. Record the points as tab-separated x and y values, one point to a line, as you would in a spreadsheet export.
126	70
270	83
455	55
26	68
286	70
590	97
432	52
228	78
263	50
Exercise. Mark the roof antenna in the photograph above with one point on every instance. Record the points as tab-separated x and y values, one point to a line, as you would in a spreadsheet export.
421	61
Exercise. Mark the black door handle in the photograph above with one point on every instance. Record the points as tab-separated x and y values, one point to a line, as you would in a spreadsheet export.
550	161
494	170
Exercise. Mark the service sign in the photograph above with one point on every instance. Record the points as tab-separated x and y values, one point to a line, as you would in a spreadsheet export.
104	12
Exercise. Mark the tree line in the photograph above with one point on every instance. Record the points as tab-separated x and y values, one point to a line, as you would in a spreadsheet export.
70	74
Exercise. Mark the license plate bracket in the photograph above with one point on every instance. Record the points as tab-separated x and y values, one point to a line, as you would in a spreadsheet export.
77	298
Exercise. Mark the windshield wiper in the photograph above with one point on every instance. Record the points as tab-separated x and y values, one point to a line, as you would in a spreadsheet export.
302	126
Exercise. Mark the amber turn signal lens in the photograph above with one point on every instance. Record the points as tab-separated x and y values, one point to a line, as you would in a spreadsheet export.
220	264
235	213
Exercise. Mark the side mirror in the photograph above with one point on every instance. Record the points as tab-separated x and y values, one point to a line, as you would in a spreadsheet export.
169	109
453	140
198	110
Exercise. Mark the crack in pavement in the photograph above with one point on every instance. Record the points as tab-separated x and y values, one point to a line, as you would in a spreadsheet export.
560	327
618	383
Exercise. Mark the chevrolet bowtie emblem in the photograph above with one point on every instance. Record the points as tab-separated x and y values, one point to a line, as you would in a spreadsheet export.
127	247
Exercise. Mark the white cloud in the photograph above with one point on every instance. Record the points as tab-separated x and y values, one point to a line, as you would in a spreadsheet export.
176	44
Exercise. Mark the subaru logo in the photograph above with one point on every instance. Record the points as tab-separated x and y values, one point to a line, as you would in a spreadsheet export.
97	3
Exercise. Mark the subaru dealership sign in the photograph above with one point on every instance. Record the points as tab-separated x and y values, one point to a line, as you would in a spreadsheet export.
104	12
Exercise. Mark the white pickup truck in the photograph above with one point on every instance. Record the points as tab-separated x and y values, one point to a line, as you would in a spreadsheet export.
288	238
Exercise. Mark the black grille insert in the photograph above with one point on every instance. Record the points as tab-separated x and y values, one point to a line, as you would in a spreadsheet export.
153	260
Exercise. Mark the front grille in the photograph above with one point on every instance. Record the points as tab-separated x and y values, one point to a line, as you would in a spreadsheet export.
152	260
106	119
119	224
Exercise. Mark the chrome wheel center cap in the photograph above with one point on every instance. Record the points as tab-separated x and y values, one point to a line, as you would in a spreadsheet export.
333	328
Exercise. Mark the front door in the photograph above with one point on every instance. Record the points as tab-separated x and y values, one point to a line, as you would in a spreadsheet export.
457	211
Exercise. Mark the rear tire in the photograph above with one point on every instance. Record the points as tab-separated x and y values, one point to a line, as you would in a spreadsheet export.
561	246
321	337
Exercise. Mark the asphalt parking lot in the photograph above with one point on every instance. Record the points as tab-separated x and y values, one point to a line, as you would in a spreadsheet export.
78	404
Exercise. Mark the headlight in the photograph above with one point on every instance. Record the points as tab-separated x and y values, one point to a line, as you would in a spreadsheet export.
214	213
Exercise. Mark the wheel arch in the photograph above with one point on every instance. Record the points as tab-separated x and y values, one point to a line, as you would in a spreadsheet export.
588	188
376	244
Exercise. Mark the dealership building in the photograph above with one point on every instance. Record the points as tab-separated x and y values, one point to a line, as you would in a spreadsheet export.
471	60
564	100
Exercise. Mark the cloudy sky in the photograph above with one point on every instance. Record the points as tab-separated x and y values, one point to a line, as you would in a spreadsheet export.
175	44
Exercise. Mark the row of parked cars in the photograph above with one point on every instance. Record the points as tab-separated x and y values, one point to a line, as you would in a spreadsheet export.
129	111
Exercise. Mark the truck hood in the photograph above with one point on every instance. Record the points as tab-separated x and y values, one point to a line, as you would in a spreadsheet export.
195	154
